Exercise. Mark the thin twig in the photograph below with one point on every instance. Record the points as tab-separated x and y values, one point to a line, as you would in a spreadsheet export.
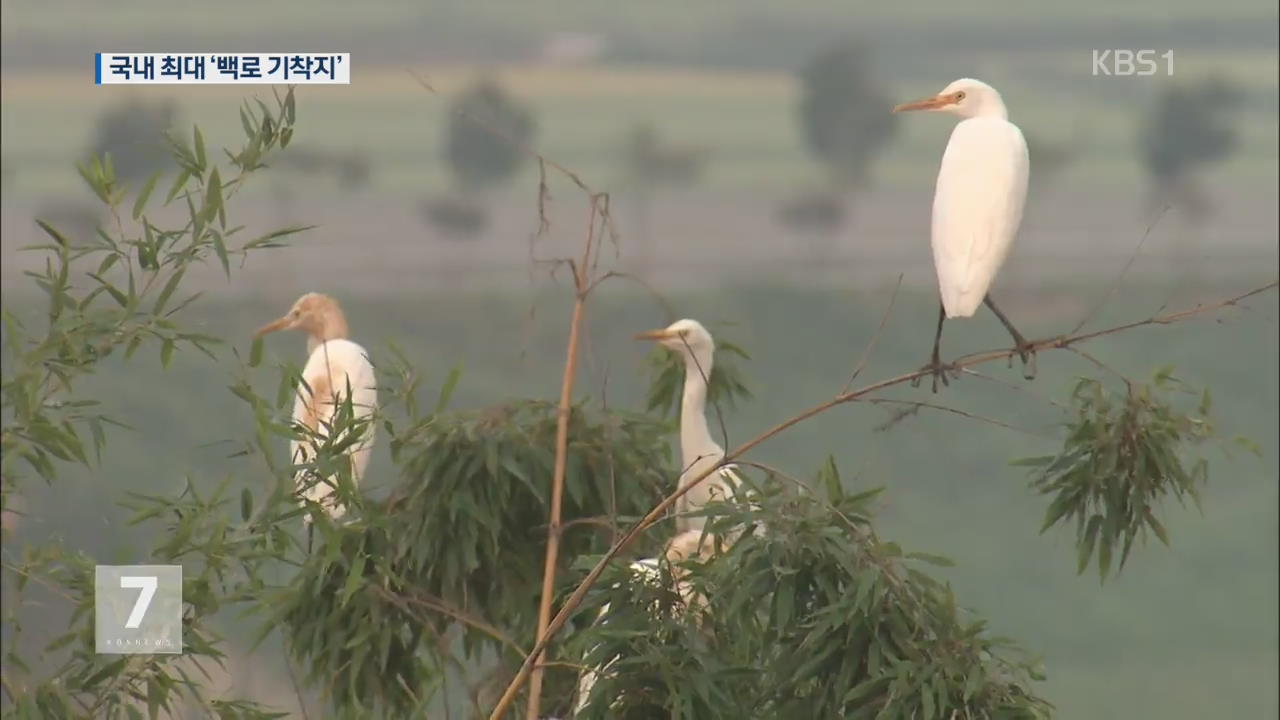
1106	298
581	283
293	680
575	599
871	344
658	297
1100	365
917	405
1013	386
436	604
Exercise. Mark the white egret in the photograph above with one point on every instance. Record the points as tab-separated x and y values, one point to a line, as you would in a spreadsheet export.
698	451
977	205
647	570
335	364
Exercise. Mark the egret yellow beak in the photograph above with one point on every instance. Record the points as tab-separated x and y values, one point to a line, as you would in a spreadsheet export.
662	334
281	324
936	102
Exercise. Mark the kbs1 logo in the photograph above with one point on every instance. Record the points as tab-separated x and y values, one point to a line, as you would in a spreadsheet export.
1126	63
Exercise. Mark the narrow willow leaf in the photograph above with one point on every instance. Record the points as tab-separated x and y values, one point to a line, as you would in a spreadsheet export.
220	248
179	183
939	560
255	352
140	204
1087	543
200	156
167	291
1104	553
446	390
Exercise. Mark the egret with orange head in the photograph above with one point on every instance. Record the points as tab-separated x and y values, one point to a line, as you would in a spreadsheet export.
336	369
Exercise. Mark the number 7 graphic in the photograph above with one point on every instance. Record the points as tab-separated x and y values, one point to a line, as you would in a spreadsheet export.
147	583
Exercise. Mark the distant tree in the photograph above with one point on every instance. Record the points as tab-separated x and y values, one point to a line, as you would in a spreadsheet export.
484	123
1187	129
1049	158
483	139
133	132
844	113
457	217
651	161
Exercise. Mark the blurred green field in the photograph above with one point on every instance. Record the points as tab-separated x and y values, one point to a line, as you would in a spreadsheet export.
321	16
745	121
1186	632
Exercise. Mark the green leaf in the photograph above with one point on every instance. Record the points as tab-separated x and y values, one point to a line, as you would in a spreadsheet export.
355	578
1086	545
1104	553
939	560
167	291
246	504
221	249
927	709
245	122
255	352
200	156
213	198
1032	461
267	241
57	236
178	184
140	203
446	390
155	698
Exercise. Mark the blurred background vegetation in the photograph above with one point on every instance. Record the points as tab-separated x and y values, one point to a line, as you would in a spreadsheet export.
695	116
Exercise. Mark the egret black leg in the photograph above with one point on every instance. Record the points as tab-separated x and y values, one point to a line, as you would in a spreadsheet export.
935	360
311	531
1020	343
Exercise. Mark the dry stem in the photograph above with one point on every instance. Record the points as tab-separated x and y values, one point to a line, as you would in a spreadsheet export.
1058	343
581	283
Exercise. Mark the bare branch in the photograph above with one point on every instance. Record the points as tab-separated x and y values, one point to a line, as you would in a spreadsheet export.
575	599
913	406
1012	386
489	127
1106	298
871	344
437	605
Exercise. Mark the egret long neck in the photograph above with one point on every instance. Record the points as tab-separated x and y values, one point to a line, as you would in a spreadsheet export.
992	106
331	326
695	436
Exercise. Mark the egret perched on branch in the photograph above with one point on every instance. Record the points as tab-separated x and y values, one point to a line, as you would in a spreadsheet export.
698	451
335	367
684	545
977	205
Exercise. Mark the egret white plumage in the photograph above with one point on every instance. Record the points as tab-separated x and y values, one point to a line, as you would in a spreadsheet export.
698	451
335	366
977	205
678	549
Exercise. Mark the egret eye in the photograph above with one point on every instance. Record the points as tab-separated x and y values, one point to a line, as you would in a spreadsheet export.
959	96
